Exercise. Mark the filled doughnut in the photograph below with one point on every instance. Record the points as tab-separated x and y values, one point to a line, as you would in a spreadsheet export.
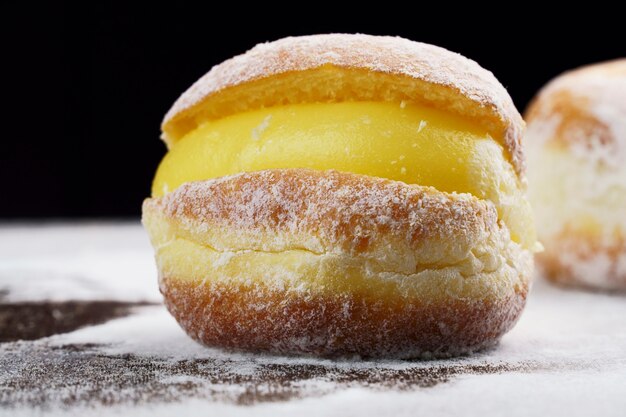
344	195
577	176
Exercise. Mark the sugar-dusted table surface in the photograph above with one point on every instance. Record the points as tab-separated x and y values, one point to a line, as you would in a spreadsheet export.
100	343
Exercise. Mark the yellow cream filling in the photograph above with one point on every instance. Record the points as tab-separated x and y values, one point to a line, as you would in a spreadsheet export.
404	142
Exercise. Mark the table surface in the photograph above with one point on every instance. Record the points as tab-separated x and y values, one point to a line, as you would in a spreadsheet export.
98	341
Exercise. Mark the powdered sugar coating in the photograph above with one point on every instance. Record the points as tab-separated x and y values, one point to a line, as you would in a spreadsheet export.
464	78
576	142
323	211
592	263
586	110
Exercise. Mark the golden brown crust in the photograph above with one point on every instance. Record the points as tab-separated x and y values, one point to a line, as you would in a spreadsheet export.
576	122
281	321
333	263
586	106
352	67
590	261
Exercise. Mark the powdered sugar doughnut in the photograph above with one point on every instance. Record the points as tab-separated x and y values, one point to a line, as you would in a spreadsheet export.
576	143
288	259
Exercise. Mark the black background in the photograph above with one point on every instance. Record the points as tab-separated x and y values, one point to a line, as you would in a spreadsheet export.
87	88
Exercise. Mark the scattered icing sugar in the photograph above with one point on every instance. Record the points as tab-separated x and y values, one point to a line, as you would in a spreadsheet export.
566	353
34	263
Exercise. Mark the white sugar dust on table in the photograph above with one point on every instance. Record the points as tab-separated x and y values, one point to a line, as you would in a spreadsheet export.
100	343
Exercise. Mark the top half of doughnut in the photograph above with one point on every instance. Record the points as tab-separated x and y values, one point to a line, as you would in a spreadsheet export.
345	67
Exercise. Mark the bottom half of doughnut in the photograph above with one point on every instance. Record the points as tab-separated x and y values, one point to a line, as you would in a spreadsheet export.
257	318
336	264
